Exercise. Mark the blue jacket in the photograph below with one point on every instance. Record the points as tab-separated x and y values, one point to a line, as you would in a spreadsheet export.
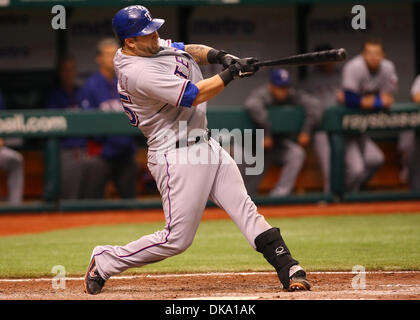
60	99
98	93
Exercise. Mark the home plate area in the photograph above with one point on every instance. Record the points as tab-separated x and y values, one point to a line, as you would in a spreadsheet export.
386	285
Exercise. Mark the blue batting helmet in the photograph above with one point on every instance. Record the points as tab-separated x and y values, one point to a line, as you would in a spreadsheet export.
134	21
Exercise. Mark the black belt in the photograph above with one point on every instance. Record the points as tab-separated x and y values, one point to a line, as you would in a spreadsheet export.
206	135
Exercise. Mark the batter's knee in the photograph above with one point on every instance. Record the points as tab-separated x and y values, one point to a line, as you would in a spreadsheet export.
375	160
178	243
13	159
354	172
18	159
297	154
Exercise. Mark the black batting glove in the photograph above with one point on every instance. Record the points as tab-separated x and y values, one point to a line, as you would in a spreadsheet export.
228	60
246	67
242	68
221	57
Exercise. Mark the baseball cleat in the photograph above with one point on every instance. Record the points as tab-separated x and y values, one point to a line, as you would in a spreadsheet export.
298	282
93	281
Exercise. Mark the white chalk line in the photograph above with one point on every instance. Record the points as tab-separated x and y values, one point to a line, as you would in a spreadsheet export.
363	294
176	275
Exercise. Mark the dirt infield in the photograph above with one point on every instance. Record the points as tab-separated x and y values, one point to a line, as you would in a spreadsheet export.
248	286
13	224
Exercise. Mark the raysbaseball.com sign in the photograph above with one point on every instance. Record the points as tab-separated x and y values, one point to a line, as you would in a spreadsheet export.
381	120
32	124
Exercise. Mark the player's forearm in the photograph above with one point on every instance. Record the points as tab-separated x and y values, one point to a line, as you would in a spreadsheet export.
368	101
198	52
208	89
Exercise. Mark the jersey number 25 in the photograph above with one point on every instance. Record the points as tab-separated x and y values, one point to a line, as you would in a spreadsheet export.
132	116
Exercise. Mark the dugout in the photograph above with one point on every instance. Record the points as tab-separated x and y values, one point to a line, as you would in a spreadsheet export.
266	29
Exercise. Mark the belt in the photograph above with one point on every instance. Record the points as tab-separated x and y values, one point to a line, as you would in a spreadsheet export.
206	137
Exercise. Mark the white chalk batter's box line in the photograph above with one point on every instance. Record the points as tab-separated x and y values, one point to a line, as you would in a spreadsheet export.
175	275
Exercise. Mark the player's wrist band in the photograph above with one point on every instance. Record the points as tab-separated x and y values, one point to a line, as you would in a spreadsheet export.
378	104
226	76
214	56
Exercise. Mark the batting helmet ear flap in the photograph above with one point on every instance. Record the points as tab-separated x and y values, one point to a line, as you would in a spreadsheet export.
121	41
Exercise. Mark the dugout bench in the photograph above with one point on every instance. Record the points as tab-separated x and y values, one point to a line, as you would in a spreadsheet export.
338	122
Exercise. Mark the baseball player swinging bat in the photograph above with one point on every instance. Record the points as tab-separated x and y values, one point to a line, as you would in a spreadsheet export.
334	55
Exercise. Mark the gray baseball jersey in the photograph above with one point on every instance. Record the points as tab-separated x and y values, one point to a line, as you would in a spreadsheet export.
151	90
356	77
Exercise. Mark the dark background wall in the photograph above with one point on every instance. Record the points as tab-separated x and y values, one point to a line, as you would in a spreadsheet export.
29	46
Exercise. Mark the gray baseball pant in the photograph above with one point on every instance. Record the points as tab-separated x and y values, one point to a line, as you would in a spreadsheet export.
12	162
122	171
362	159
73	167
412	149
323	151
185	189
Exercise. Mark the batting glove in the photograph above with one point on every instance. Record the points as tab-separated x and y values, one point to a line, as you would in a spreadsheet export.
221	57
242	68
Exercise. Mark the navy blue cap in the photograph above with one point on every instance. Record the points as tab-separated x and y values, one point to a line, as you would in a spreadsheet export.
280	77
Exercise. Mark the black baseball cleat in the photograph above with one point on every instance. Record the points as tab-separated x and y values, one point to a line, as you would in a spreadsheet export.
93	281
298	282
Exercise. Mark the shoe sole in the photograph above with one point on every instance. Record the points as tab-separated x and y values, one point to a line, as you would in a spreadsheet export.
87	273
299	286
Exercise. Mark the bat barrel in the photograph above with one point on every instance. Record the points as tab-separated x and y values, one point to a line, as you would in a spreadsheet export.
334	55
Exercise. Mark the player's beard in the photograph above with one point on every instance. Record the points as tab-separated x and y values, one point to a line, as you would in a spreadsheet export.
152	49
155	47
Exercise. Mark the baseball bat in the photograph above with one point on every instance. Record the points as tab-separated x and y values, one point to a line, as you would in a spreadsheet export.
334	55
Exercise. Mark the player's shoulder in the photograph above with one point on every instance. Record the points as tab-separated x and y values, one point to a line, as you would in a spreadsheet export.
355	62
417	79
157	65
261	90
388	65
260	93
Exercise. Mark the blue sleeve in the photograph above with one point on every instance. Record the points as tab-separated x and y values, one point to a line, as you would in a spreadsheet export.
178	45
378	102
189	95
351	99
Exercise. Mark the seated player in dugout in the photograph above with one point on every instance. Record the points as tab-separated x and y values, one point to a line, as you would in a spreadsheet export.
409	147
111	157
323	81
73	152
12	162
280	149
161	84
369	82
